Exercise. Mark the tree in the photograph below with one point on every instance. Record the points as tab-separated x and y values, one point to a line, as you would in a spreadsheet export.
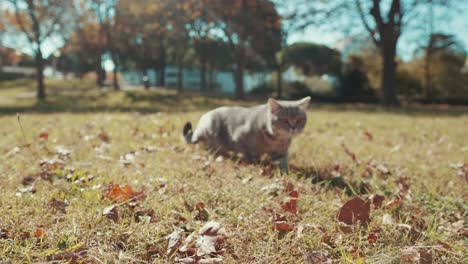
313	58
250	27
383	20
143	26
38	20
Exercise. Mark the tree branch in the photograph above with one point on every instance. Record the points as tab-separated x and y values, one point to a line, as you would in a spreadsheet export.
366	24
20	21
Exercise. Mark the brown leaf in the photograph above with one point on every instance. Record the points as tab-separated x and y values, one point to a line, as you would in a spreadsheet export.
111	213
52	164
4	234
59	206
28	180
104	137
76	256
394	203
280	223
203	214
350	154
414	255
210	236
44	136
142	213
377	200
318	256
368	135
354	211
373	236
290	206
412	233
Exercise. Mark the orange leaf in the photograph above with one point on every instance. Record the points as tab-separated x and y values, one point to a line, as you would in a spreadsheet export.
122	194
38	233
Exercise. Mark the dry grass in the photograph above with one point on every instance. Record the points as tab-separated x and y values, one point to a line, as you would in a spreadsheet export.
428	149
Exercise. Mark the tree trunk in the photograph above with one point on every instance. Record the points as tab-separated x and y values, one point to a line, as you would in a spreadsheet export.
41	95
239	75
180	76
427	75
115	74
146	82
210	78
100	72
161	76
279	80
203	75
388	84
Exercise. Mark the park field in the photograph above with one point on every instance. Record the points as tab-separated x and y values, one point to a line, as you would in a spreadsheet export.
104	177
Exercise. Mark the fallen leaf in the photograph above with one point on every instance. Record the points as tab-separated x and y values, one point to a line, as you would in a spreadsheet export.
383	169
350	153
412	233
210	236
210	261
373	236
26	189
75	256
4	234
318	257
354	211
394	203
123	194
38	233
52	164
414	255
44	136
111	213
28	180
144	214
104	137
377	200
203	214
59	206
280	223
290	206
174	241
61	150
387	219
368	135
442	244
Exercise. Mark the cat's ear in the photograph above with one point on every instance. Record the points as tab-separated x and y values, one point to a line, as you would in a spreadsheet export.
304	102
273	105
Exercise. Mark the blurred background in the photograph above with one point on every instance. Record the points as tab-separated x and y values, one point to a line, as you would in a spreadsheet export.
373	51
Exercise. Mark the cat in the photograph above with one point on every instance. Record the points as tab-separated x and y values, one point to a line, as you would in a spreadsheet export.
254	131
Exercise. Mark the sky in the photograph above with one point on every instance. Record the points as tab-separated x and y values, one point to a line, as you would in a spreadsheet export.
456	24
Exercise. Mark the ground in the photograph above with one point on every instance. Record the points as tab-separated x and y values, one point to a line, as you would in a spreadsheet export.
64	165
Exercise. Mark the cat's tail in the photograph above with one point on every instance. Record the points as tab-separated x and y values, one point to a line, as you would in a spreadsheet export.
188	132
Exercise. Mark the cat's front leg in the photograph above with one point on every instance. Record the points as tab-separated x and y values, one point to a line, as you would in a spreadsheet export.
283	163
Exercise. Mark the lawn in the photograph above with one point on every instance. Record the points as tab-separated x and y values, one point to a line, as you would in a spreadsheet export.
65	165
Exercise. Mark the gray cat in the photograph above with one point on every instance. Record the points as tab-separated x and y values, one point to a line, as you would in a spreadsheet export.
254	131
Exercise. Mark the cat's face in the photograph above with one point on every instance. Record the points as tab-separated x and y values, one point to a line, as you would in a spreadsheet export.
288	117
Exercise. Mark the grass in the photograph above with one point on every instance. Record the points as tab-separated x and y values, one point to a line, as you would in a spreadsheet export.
425	151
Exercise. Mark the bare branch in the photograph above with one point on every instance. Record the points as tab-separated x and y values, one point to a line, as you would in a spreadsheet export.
20	21
366	24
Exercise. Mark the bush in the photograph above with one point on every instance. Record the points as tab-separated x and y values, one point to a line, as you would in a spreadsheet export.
264	89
